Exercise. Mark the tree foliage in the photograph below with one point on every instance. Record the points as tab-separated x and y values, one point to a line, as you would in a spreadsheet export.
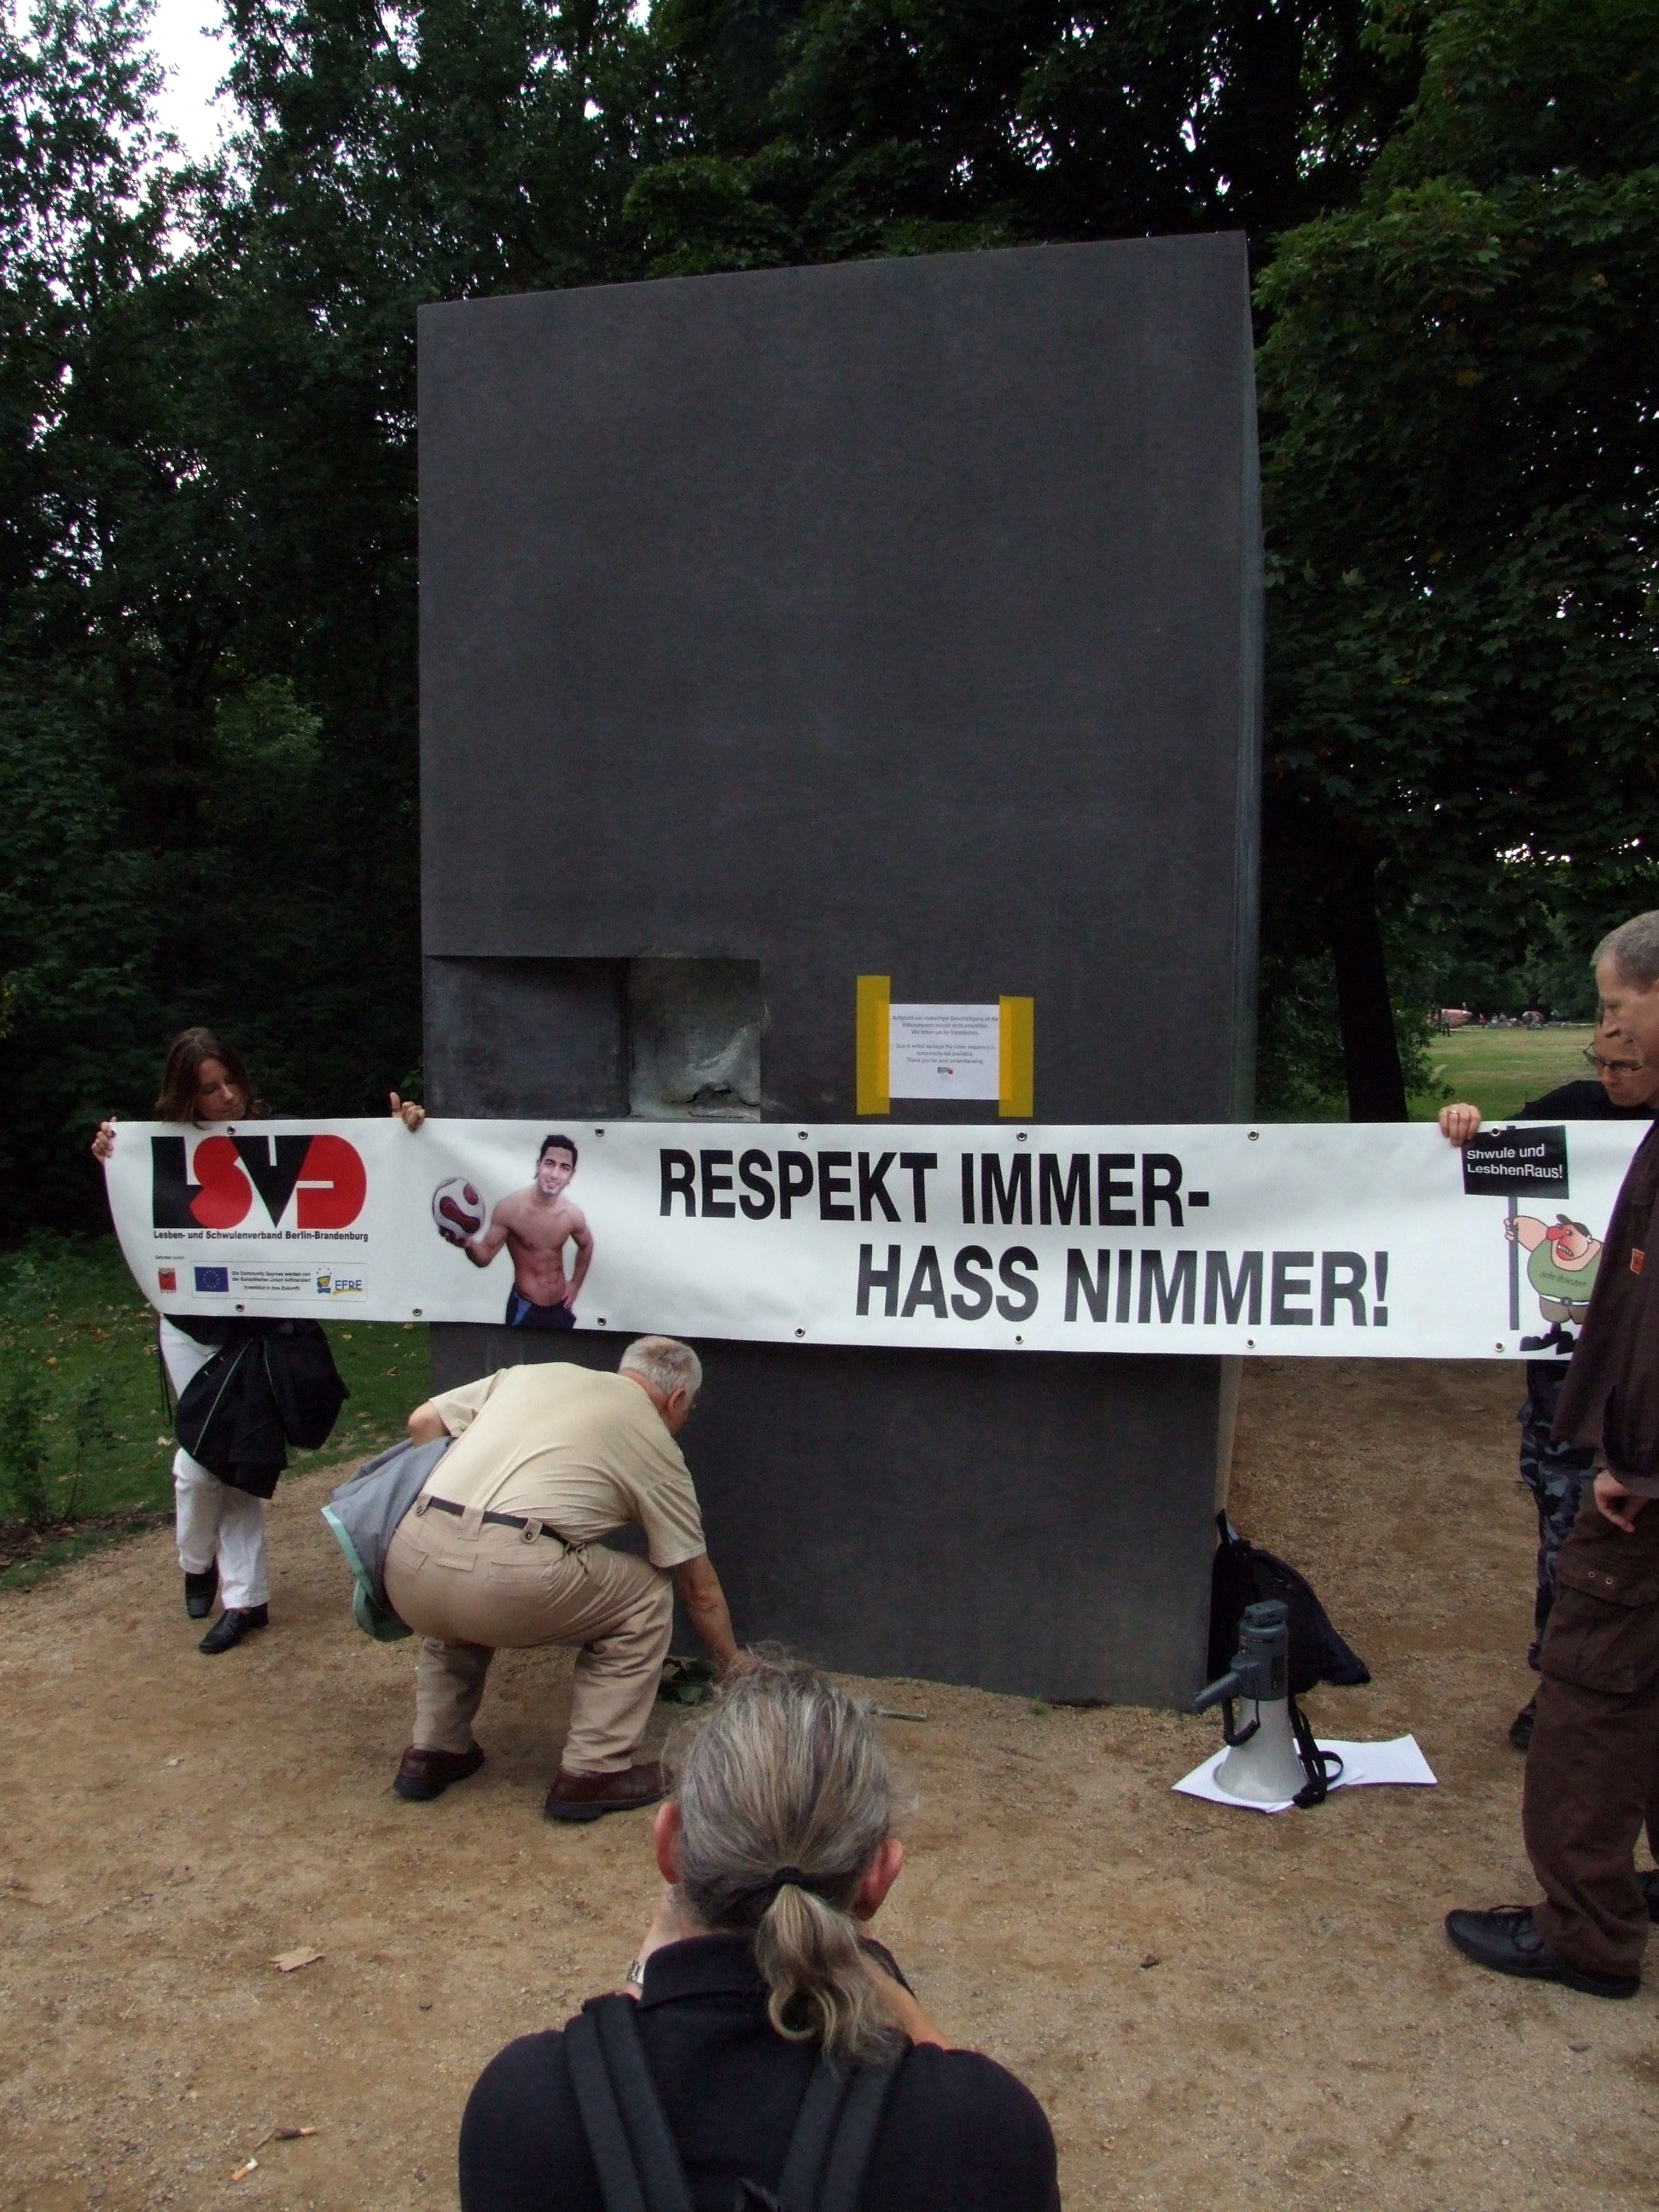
1458	387
208	536
208	491
854	127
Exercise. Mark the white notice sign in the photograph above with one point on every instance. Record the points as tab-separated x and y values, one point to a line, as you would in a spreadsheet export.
944	1052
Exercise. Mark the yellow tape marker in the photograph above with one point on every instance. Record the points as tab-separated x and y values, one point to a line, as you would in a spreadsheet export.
875	992
1016	1059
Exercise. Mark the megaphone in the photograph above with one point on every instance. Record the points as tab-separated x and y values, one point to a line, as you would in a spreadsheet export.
1262	1766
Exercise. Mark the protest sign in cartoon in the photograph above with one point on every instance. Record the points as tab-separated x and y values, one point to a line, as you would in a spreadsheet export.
1527	1162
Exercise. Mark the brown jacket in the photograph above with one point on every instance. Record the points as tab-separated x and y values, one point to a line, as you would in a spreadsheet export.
1610	1397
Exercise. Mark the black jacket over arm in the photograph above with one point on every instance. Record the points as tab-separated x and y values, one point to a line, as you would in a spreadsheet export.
271	1385
960	2134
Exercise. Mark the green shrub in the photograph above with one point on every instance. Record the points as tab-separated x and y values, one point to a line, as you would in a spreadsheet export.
25	1483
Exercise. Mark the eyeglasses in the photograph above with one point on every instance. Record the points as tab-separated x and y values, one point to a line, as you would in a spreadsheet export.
1593	1059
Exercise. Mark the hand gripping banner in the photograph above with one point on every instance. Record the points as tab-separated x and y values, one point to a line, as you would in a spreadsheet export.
1381	1242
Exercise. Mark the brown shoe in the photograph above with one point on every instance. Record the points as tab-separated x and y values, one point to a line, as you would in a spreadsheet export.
586	1796
426	1774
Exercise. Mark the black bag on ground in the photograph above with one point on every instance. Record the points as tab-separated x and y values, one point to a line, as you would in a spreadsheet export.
1242	1576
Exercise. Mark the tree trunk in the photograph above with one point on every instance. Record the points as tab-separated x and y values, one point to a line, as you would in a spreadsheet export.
1370	1052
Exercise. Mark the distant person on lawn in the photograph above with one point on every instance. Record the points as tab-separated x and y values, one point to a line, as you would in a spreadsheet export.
1592	1778
1625	1089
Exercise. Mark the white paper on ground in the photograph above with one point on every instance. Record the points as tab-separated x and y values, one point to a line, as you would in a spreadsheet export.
1400	1759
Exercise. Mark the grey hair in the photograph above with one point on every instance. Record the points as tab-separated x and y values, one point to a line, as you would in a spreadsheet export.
664	1362
788	1772
1633	948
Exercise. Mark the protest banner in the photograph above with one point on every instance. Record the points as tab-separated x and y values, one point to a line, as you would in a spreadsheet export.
1374	1241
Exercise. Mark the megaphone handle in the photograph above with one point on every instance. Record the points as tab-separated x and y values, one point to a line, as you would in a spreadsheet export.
1242	1736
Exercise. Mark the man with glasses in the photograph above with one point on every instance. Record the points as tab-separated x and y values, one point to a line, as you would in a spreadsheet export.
1592	1780
1625	1089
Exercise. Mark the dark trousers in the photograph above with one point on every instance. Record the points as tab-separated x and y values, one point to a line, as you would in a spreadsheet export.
1557	1475
524	1313
1593	1768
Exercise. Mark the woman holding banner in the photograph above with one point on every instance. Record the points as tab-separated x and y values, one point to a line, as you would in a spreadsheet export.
221	1528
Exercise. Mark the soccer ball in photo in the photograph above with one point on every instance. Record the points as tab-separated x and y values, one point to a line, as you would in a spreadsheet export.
456	1210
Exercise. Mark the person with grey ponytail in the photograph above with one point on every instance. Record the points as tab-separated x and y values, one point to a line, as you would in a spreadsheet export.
758	1990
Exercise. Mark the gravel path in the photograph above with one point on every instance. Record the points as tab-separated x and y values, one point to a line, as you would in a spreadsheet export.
1213	2006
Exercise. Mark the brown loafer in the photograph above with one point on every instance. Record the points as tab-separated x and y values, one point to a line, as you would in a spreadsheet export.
586	1796
426	1774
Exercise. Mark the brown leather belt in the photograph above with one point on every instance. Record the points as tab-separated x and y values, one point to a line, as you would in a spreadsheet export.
528	1528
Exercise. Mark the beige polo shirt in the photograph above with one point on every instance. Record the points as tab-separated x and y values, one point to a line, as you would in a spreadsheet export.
583	1452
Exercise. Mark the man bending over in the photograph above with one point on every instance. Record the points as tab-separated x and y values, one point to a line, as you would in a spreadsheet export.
501	1552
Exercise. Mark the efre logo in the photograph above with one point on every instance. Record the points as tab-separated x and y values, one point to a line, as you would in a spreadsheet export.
327	1172
214	1279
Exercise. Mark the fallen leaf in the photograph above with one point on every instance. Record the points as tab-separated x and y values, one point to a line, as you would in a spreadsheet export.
1151	1959
289	1962
284	2135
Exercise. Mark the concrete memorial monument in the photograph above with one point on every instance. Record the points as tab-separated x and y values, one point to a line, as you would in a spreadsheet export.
897	621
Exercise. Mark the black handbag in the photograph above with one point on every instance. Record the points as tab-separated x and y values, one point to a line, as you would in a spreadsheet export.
1242	1574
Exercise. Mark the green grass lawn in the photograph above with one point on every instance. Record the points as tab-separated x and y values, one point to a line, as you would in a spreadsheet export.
72	1321
1498	1070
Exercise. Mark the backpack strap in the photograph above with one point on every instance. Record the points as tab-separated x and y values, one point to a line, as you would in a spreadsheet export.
843	2189
828	2159
816	2124
639	2168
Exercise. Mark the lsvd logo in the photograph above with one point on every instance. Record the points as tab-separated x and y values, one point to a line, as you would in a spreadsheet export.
322	1176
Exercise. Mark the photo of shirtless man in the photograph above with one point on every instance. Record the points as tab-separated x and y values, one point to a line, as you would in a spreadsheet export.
536	1224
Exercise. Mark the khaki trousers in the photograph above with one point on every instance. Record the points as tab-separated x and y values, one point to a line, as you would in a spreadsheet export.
471	1589
1593	1764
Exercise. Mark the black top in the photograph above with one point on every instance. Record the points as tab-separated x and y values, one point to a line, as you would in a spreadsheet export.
960	2134
1582	1101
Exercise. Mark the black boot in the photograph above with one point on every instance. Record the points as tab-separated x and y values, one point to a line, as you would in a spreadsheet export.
232	1625
200	1590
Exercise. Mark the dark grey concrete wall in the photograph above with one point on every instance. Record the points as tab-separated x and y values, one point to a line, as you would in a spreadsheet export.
899	618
